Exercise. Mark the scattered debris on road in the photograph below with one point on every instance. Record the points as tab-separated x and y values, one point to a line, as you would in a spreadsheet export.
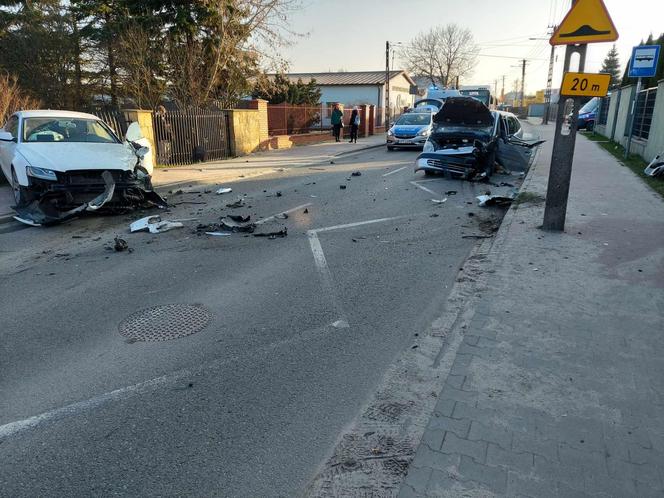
273	235
451	192
231	225
306	211
239	218
154	224
439	201
473	236
342	187
120	245
224	190
356	173
237	204
218	234
496	200
281	216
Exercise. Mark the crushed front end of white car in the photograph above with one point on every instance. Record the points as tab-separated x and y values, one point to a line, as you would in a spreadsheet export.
63	164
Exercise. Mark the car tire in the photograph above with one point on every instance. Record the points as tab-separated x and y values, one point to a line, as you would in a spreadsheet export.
22	196
390	148
590	125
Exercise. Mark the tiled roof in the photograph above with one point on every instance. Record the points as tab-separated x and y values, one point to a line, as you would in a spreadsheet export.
348	78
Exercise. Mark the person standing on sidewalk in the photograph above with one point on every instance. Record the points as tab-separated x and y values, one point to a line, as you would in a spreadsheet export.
337	122
354	125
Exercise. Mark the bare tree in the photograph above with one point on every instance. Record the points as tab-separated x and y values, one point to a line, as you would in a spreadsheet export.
441	54
12	98
217	62
142	68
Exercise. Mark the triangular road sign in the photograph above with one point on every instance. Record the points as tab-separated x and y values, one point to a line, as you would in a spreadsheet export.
588	21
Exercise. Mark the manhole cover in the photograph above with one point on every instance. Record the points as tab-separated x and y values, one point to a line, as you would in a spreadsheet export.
163	323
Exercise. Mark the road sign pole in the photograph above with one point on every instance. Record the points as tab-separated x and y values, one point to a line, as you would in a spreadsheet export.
560	172
632	117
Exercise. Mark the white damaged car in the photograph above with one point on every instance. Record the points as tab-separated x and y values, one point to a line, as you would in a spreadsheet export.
61	164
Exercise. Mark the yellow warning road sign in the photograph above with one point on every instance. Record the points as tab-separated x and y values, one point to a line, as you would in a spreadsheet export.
587	22
585	85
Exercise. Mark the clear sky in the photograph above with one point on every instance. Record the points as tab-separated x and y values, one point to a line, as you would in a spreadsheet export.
351	34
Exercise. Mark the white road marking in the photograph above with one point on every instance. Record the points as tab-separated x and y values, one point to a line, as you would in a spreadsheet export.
324	269
357	224
395	171
270	218
424	188
326	277
88	404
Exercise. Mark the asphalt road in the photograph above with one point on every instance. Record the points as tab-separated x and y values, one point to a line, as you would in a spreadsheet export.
251	405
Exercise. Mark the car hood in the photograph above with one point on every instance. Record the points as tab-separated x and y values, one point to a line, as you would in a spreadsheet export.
464	111
64	157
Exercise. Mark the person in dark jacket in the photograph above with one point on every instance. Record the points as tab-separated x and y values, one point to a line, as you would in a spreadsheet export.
354	125
337	122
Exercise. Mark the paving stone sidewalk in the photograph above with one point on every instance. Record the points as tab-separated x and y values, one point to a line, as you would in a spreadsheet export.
558	387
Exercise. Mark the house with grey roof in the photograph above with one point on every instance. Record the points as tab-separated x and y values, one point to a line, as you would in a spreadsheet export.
362	87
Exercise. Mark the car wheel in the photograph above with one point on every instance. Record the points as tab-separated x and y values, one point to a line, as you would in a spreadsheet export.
590	125
390	148
22	196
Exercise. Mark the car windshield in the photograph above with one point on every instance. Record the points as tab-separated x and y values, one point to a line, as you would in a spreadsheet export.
423	118
55	129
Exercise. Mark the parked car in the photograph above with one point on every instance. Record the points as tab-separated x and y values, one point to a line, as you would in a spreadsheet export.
468	139
588	115
411	130
62	163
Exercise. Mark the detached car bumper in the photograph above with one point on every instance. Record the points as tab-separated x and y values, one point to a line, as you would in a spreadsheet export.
111	191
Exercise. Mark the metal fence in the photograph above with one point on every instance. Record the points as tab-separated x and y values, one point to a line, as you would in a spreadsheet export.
114	118
603	110
645	105
187	136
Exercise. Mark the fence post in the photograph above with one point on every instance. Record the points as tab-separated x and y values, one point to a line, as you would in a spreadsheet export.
372	120
364	115
144	120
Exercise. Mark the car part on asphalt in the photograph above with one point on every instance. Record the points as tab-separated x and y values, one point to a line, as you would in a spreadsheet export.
496	200
273	235
237	204
120	244
237	226
154	224
224	190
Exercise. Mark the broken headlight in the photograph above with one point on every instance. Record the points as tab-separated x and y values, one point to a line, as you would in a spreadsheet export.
428	147
43	173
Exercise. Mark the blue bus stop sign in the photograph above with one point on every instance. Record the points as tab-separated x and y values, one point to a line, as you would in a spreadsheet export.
643	63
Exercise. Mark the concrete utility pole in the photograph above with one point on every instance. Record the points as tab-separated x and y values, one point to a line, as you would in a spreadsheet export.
495	92
387	84
523	83
560	174
549	83
502	92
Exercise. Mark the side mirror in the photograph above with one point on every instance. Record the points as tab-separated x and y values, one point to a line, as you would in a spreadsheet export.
6	136
142	152
134	133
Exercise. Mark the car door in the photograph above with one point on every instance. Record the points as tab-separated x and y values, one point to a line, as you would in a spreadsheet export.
514	153
8	149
